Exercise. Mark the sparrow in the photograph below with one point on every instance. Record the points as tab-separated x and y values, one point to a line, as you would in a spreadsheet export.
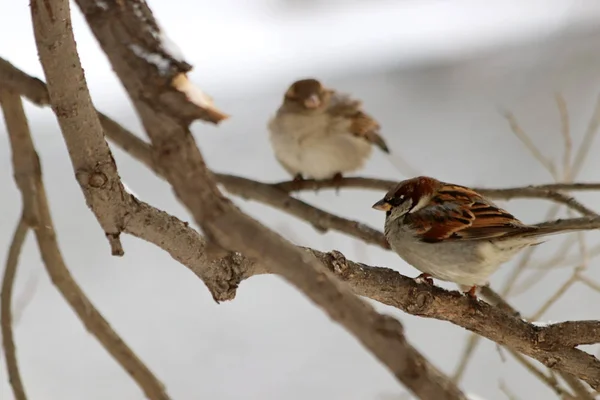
452	233
320	134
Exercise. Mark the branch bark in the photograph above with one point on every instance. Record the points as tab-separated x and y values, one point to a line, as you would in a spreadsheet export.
28	176
222	276
129	34
10	271
558	332
94	166
265	193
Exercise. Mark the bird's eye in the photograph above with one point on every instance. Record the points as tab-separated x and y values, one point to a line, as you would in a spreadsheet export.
396	201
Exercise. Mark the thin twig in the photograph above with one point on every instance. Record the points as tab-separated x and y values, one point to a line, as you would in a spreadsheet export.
589	283
554	298
177	248
549	380
468	351
574	278
586	144
566	134
10	272
566	330
92	160
506	390
35	91
578	387
526	140
28	176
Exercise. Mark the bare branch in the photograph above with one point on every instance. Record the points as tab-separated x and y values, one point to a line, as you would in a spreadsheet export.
380	284
579	388
468	352
565	130
28	177
10	271
187	246
548	192
258	191
586	144
506	390
526	140
574	333
245	188
549	380
26	85
321	220
94	166
131	31
558	331
554	298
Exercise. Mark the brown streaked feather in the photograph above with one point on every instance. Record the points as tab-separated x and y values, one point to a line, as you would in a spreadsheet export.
365	126
362	124
459	213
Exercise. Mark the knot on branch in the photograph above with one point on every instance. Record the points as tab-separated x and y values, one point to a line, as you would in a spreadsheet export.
420	299
229	271
339	263
97	180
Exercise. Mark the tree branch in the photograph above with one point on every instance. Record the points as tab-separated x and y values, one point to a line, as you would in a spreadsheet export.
33	89
28	176
574	333
94	166
10	271
163	224
128	30
320	220
223	276
588	331
549	192
245	188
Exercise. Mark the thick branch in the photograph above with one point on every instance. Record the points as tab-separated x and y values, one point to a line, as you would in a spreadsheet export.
542	343
573	333
222	276
587	330
28	177
388	286
265	193
120	30
245	188
94	166
35	91
382	284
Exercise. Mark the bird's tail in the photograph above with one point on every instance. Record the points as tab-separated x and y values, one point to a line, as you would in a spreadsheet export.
565	226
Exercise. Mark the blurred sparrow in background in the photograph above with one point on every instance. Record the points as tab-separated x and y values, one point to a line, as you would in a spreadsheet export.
320	134
452	233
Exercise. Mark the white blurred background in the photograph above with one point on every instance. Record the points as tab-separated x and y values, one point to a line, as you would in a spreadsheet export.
436	74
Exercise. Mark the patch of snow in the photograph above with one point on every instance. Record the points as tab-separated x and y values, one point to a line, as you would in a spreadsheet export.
161	62
540	323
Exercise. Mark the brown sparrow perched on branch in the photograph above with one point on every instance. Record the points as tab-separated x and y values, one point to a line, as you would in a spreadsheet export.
452	233
320	134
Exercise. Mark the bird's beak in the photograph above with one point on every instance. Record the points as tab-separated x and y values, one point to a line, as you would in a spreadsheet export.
312	101
382	205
